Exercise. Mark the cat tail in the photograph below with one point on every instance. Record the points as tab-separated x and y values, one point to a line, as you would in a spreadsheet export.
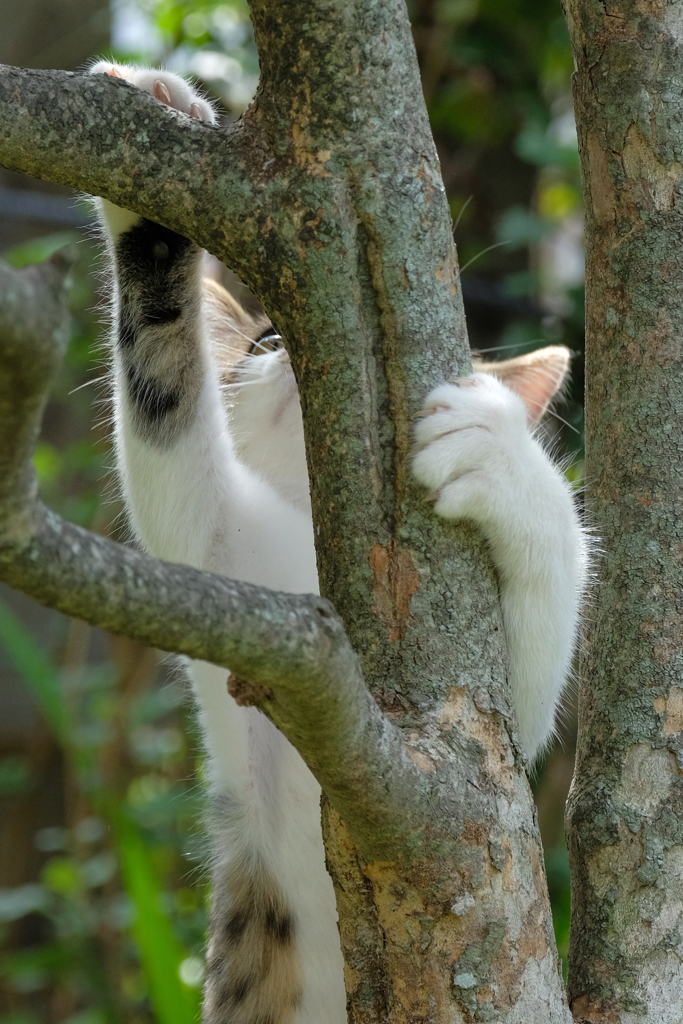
254	969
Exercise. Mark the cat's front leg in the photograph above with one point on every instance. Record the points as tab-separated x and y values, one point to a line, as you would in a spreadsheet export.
476	454
189	498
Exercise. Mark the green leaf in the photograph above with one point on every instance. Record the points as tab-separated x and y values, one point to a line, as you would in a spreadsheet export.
16	776
160	952
62	875
519	226
534	145
40	676
39	250
47	462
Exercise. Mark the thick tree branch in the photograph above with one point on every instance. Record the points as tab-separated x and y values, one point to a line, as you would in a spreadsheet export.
292	649
135	151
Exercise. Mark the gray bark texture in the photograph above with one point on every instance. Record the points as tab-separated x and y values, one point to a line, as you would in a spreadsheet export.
625	811
326	198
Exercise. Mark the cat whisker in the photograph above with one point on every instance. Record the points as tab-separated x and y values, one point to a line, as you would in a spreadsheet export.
556	415
89	383
489	248
502	348
462	210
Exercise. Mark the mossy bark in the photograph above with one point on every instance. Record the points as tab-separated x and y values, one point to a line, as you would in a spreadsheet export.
625	811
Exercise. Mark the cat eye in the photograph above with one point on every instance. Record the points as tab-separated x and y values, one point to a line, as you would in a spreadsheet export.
269	341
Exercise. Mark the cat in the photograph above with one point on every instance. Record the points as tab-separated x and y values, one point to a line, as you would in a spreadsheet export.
210	452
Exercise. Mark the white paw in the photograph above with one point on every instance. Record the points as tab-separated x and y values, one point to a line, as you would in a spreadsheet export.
167	88
469	440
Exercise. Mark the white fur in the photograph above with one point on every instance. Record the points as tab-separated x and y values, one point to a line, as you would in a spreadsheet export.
231	495
195	503
476	452
273	444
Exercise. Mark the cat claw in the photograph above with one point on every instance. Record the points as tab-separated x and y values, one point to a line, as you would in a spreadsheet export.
162	93
197	112
114	73
429	410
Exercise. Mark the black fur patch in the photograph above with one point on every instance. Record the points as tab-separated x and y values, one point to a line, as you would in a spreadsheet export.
127	332
279	926
235	925
242	988
154	401
161	316
148	247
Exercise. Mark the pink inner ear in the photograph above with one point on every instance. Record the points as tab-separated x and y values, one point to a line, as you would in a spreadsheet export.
535	388
535	377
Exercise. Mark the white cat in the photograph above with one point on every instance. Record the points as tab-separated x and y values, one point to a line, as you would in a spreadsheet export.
210	451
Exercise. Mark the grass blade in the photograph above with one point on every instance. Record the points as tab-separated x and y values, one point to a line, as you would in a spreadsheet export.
160	952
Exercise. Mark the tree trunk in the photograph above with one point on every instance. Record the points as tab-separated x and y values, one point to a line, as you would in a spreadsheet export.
625	811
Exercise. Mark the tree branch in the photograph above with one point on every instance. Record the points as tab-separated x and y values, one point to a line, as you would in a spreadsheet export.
291	648
138	153
34	332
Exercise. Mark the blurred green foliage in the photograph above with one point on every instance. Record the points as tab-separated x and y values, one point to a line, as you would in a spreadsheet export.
117	874
210	39
111	927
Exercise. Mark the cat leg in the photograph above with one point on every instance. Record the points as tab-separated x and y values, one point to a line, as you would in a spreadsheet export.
476	453
188	496
191	500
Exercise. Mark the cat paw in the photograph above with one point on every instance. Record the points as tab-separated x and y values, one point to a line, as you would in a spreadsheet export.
169	89
469	439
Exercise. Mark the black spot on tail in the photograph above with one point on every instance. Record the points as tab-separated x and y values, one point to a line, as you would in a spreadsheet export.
235	925
242	988
280	926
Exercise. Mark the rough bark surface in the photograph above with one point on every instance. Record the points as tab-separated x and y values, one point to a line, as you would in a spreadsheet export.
327	199
625	812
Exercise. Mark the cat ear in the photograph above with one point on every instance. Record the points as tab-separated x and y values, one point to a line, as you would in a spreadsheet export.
536	377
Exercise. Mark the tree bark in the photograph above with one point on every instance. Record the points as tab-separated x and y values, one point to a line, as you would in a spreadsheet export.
327	199
625	811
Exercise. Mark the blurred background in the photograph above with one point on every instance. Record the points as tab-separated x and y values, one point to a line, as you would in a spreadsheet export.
103	900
